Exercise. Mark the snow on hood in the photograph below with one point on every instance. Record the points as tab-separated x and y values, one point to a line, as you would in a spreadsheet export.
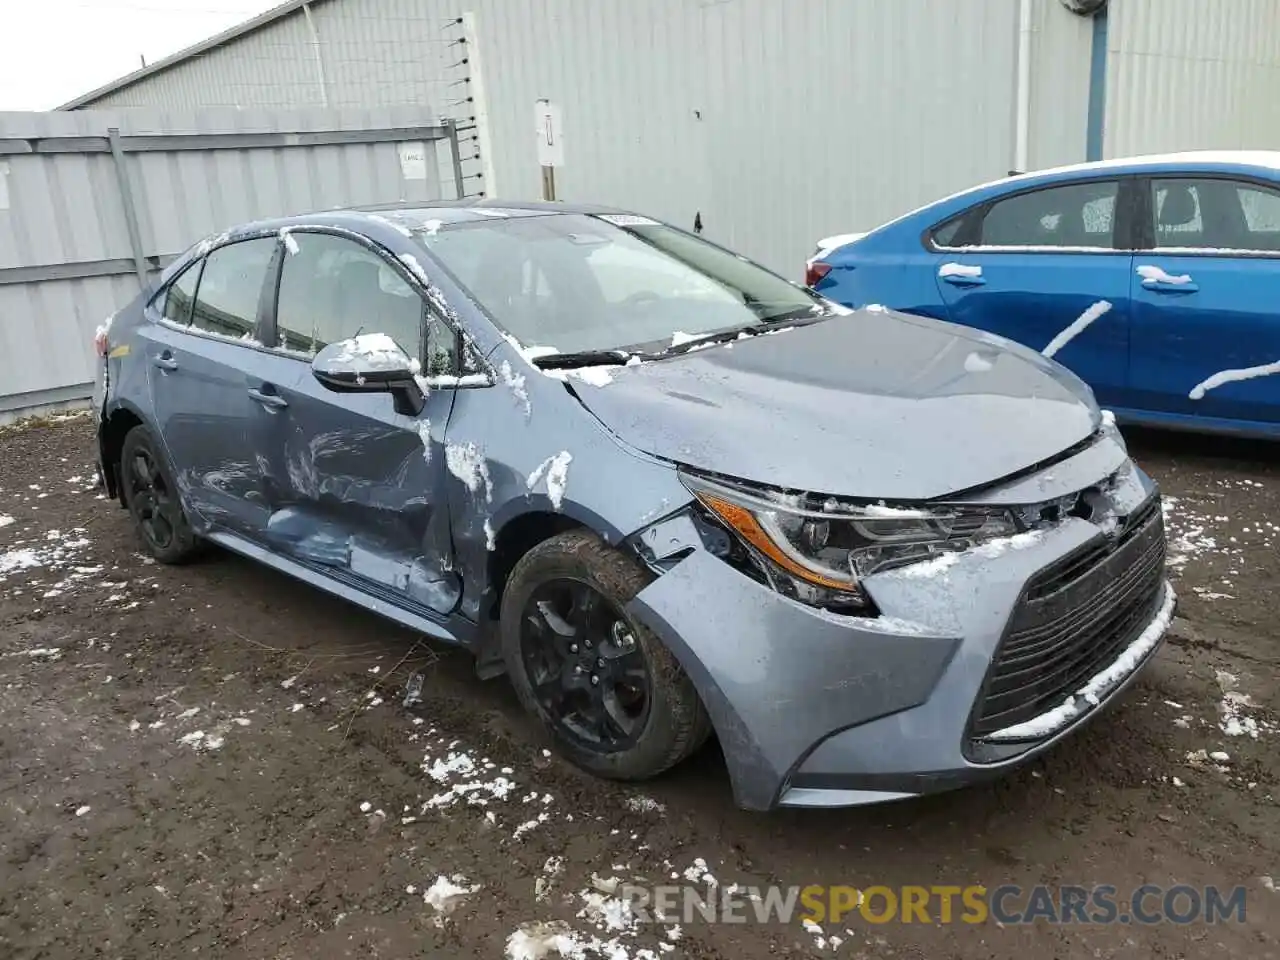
873	404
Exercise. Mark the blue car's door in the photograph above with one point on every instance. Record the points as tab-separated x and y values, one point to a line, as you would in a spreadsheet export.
1048	267
1206	300
353	485
197	348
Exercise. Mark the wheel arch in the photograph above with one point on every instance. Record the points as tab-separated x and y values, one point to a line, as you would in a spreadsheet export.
122	417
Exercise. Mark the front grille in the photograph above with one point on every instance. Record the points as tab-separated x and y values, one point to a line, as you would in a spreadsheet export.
1073	619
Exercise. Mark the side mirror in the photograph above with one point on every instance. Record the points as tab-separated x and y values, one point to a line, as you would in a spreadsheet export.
371	363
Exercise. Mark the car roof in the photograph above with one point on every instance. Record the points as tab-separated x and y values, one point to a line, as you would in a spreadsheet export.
1193	161
415	214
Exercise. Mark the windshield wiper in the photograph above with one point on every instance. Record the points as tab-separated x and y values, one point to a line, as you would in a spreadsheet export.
582	358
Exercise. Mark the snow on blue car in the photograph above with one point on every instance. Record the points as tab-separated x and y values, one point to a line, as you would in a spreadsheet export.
1155	279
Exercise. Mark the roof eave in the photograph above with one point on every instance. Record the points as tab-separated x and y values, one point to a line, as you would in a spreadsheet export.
204	46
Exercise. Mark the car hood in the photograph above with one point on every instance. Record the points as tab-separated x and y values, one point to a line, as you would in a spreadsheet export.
871	404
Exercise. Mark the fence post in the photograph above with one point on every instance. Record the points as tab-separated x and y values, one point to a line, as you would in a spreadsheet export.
455	153
126	201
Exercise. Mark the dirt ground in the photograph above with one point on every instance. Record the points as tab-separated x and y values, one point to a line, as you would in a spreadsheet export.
217	760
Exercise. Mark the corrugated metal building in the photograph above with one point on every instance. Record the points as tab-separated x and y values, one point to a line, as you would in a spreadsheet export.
776	121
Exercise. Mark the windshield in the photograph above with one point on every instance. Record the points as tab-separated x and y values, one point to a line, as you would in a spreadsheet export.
578	283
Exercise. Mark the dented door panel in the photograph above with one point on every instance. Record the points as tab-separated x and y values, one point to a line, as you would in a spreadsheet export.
354	487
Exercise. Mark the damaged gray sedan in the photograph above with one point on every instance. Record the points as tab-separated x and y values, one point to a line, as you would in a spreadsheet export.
665	491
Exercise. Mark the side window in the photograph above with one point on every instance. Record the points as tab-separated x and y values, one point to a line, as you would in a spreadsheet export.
231	286
178	296
1075	215
332	288
947	234
442	348
1214	213
1177	208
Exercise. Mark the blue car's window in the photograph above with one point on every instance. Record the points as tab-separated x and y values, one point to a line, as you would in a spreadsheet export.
1214	213
332	288
230	286
1077	215
574	282
179	296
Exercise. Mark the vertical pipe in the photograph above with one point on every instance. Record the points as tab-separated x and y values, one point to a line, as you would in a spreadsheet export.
315	50
1097	122
455	155
130	211
1022	119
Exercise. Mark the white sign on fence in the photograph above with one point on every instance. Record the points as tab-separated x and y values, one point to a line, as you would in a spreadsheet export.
413	160
550	134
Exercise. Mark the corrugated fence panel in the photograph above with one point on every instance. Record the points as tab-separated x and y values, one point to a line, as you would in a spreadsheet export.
63	213
1191	74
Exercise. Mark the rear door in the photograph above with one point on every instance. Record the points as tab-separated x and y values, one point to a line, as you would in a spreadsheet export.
353	486
1048	265
1206	296
204	332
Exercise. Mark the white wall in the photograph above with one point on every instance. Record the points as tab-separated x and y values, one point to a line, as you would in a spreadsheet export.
1192	74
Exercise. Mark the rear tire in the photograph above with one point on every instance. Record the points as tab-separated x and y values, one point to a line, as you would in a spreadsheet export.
151	496
578	662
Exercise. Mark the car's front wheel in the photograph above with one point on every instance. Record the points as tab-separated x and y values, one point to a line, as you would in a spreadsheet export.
613	697
152	499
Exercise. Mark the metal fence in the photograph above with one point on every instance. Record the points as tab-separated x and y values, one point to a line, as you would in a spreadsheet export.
93	204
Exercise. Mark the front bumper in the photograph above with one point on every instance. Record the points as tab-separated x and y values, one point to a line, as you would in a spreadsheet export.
816	709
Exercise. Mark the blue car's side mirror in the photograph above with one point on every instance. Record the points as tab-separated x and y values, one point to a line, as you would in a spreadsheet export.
372	362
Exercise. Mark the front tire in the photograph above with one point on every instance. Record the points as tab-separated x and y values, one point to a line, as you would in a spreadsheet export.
614	699
152	499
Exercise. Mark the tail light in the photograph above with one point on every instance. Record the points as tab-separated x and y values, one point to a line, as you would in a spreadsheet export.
100	341
814	271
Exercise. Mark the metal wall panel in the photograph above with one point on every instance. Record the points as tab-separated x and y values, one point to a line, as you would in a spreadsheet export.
1192	74
66	209
1061	46
779	121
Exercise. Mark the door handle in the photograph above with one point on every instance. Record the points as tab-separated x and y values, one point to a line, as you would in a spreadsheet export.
165	362
963	280
272	401
1167	286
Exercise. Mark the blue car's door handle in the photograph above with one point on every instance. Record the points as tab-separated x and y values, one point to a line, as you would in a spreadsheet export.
165	362
272	401
1166	286
963	279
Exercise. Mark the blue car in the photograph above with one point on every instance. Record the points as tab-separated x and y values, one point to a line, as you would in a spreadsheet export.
1155	279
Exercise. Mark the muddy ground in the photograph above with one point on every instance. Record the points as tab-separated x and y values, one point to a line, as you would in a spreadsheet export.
216	760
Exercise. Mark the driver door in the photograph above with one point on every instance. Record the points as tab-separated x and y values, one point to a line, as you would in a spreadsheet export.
354	487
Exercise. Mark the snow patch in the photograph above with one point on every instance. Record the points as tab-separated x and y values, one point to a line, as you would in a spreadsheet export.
445	894
1153	274
556	470
598	376
960	270
467	463
1232	376
976	363
432	227
516	383
490	536
1077	327
290	243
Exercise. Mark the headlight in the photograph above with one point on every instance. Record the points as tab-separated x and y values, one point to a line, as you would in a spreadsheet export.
818	552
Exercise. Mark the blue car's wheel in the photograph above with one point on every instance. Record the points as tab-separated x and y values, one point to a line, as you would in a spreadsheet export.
612	696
